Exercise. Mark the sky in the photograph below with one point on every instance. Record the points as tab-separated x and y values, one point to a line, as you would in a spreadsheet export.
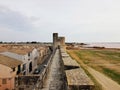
77	20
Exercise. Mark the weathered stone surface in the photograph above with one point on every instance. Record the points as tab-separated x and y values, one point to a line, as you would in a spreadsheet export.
76	77
56	77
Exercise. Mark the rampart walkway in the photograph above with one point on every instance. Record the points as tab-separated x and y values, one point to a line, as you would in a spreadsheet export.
55	78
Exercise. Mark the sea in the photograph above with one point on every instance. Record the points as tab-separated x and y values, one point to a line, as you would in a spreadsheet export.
105	44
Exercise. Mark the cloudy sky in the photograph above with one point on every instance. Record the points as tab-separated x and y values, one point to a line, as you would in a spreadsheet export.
77	20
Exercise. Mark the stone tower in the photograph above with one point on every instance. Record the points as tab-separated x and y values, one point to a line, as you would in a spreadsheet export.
58	41
61	41
55	40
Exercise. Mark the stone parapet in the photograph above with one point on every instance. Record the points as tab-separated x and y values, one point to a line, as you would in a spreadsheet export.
77	79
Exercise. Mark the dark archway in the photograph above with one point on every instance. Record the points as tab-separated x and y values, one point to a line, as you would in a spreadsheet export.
30	67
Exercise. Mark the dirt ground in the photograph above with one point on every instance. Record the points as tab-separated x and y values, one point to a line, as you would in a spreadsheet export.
107	83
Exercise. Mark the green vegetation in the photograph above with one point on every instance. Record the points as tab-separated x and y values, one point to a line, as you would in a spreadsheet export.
111	73
103	54
105	61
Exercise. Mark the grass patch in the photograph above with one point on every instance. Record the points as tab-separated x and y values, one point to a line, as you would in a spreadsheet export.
111	73
89	57
110	55
103	54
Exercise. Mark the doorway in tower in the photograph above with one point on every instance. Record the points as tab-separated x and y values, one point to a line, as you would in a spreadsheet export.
30	66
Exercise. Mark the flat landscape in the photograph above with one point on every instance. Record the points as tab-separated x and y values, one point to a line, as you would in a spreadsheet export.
105	61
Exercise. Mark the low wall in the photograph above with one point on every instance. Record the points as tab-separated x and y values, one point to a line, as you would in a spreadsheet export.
77	79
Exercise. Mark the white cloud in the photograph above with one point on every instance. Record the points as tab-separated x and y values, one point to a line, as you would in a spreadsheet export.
78	20
14	20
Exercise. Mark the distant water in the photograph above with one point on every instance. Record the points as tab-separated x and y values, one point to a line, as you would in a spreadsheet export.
106	45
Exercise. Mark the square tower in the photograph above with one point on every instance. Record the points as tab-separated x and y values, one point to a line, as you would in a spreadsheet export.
55	40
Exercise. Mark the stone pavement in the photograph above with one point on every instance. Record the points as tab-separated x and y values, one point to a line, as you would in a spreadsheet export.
56	79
